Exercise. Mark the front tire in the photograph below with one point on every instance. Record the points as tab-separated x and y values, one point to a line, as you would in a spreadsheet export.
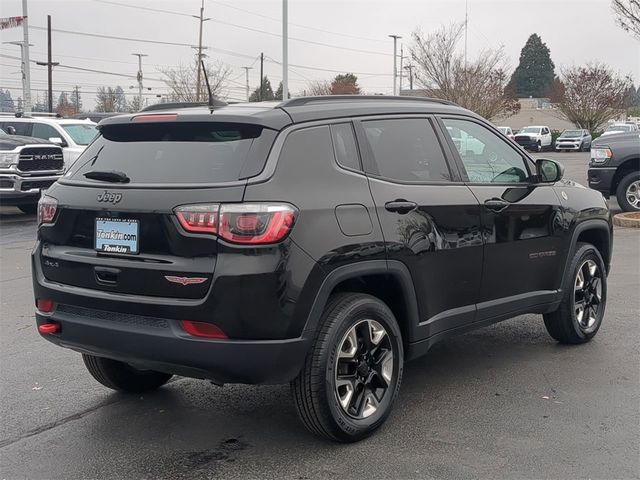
352	373
539	147
628	192
122	376
580	314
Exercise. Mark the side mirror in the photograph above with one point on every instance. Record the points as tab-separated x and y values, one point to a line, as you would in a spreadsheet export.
58	141
549	171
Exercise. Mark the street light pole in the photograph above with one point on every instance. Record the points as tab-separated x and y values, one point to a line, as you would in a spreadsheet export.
26	81
246	75
395	60
199	75
285	50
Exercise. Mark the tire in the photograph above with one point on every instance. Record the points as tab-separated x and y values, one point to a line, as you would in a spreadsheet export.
122	376
29	208
539	147
567	324
629	187
324	403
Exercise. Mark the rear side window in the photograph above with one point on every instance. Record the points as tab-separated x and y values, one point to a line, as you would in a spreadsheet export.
177	152
17	128
344	145
406	149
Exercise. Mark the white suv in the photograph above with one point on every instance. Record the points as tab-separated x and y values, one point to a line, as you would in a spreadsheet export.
72	135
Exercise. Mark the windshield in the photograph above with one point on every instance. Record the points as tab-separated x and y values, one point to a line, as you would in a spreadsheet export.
81	133
530	130
618	128
176	152
572	133
503	129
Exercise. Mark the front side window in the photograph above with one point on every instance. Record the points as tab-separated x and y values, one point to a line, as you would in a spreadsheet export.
407	150
487	157
44	131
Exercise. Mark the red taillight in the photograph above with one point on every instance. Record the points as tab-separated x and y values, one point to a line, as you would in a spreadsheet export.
156	117
47	207
49	328
44	305
244	223
202	329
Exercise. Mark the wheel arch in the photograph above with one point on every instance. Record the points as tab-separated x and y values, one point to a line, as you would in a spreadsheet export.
596	232
626	167
390	281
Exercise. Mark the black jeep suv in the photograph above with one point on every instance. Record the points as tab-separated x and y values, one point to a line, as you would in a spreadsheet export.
320	241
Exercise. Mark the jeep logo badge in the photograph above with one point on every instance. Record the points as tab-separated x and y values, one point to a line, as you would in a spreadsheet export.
109	197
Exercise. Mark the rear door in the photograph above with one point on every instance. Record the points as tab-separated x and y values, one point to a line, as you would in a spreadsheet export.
521	221
430	219
125	236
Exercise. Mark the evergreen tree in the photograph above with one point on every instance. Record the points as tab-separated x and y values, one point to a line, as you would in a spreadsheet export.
535	72
120	100
267	92
6	102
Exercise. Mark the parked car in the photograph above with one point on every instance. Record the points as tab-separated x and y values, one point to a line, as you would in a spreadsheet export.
620	128
72	135
614	169
321	241
507	132
27	166
94	116
576	139
535	138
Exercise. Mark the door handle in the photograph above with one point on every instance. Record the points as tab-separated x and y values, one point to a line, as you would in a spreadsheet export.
496	204
106	276
400	206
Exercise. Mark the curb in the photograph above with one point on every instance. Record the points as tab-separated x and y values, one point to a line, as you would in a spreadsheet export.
627	219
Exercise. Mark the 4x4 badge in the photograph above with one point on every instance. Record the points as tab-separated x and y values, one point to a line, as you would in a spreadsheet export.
109	197
185	280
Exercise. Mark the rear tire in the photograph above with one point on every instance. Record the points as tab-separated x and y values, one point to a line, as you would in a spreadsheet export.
29	208
122	376
580	314
352	373
628	192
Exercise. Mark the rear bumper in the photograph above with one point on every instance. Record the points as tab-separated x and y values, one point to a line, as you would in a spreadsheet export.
160	344
601	179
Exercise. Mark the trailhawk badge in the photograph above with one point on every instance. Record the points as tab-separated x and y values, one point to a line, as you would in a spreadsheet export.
185	280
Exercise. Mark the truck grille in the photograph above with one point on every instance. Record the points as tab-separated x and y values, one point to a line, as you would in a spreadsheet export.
40	159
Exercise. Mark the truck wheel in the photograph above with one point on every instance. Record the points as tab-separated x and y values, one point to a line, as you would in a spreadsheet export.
580	313
352	373
29	209
628	192
539	146
122	376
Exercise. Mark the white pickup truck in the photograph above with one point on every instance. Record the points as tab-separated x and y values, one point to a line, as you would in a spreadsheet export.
535	138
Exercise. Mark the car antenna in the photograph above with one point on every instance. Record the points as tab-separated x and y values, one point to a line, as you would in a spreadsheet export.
206	79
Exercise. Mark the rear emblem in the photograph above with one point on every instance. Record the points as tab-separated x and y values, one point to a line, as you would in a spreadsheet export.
185	280
109	197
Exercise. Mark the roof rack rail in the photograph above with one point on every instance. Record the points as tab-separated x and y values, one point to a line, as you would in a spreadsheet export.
179	105
299	101
30	114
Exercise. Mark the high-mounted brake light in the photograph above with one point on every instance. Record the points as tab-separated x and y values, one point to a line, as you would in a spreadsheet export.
157	117
243	223
47	207
202	329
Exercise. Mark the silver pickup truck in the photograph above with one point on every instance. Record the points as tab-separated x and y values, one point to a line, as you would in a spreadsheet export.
27	166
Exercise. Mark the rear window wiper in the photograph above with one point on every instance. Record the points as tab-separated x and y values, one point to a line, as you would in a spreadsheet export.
113	176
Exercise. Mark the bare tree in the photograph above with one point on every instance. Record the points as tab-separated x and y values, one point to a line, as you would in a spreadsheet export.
106	99
182	81
593	95
477	84
628	15
318	88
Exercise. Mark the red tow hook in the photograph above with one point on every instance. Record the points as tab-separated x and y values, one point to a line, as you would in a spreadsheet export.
49	328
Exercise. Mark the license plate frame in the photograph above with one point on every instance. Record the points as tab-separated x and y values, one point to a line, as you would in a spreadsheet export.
117	235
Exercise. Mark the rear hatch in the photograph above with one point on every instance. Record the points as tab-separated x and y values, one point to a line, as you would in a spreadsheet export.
115	227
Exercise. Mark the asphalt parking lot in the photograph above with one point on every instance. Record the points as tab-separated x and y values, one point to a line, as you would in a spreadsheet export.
505	401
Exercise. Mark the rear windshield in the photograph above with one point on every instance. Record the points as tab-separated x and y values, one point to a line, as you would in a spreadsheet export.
177	152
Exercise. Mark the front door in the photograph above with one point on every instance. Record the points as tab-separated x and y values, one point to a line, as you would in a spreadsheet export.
430	220
521	221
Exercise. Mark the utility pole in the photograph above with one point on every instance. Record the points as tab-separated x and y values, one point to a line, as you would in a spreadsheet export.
400	72
261	94
77	103
25	87
285	51
199	62
466	23
139	76
49	64
410	68
26	80
246	76
395	60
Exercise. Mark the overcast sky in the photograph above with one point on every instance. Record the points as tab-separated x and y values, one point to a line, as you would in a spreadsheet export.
354	34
